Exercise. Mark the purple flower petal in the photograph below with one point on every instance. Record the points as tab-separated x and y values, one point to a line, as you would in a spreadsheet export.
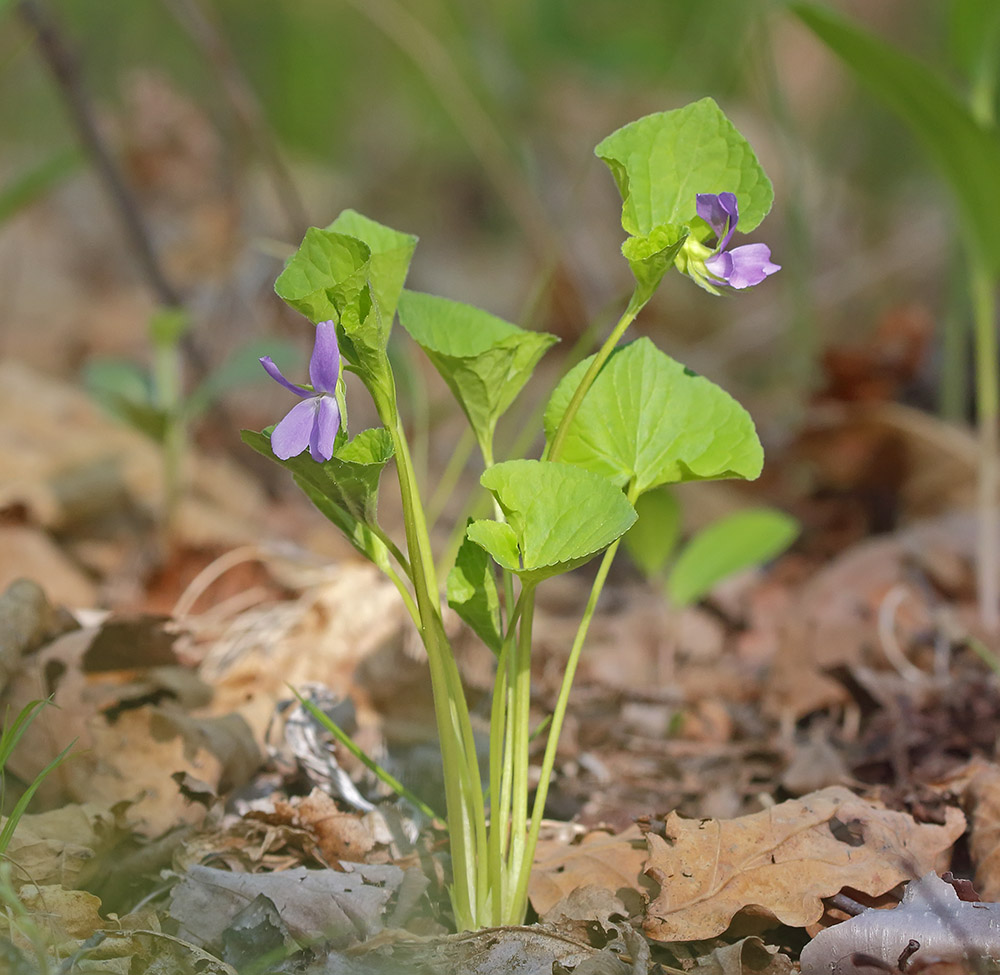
294	433
324	366
748	264
275	373
721	212
325	428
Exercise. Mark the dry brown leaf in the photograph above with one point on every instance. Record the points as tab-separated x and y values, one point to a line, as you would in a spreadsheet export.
598	859
784	860
983	794
62	846
103	679
747	954
64	916
48	452
337	835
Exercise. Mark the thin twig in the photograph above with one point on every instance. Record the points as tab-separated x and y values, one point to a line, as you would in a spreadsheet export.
65	69
205	33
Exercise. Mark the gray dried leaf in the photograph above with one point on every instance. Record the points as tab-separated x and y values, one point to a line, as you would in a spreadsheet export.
945	929
341	908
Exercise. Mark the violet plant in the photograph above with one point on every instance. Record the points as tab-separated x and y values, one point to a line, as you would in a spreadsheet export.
618	425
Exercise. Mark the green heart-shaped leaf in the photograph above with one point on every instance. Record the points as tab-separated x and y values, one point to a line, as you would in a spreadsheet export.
345	488
661	162
558	517
391	252
484	360
731	544
472	593
649	419
325	275
355	470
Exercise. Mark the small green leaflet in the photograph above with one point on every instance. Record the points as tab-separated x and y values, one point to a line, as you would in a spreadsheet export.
661	162
472	593
345	488
652	539
484	360
125	391
558	517
649	419
733	543
651	256
391	253
327	273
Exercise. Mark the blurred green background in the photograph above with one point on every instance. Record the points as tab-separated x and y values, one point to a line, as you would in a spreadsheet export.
472	125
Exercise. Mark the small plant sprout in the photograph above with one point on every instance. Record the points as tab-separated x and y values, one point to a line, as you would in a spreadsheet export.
314	422
623	422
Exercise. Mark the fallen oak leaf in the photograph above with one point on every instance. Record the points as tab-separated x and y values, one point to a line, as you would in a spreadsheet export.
781	862
746	955
598	859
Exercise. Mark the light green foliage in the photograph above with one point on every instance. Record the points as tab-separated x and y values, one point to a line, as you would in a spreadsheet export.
558	517
37	181
345	488
650	420
168	326
974	41
484	360
652	539
651	256
967	154
661	162
391	253
125	390
627	418
733	543
327	274
472	593
355	470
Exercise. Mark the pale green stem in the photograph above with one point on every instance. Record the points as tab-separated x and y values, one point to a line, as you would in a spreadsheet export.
554	448
168	383
983	285
520	902
498	817
500	728
521	742
466	822
522	846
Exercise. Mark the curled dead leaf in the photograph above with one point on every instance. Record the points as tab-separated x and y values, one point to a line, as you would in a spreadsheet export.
781	862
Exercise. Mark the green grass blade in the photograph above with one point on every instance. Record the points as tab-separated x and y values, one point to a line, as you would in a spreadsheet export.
38	180
966	153
351	745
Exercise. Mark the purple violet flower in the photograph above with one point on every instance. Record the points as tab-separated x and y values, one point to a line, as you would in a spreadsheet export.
741	267
314	422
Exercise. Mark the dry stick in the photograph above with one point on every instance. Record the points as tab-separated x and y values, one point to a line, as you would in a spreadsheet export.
65	69
205	33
